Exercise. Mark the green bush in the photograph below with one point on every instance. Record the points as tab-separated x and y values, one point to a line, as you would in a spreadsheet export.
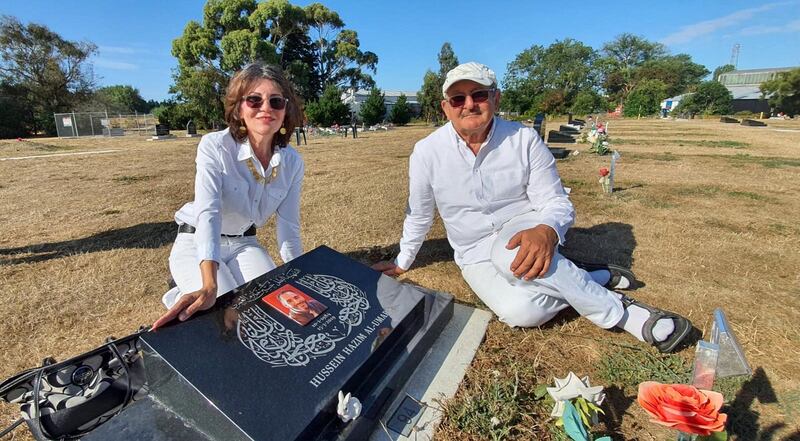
400	113
374	108
329	109
645	99
588	102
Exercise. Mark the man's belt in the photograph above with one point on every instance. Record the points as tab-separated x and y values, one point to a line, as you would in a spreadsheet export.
186	228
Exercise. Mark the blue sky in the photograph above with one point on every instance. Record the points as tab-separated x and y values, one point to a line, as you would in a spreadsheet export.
135	38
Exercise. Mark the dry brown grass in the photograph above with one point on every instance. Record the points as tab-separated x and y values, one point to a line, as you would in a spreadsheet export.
85	240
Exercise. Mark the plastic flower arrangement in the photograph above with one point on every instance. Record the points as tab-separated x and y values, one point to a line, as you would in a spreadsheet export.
693	412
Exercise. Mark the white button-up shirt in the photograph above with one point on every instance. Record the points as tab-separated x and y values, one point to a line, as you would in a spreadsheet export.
513	173
228	199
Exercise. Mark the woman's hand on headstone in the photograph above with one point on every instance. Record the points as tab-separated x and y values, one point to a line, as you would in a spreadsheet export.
188	305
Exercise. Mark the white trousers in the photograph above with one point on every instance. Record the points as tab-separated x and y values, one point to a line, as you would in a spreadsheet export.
243	259
532	303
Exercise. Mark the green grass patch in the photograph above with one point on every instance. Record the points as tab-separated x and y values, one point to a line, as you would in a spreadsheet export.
748	195
627	367
765	161
698	190
491	398
684	143
130	179
722	225
666	156
573	183
730	386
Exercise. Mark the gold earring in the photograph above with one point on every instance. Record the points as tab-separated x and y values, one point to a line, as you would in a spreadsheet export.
242	130
283	130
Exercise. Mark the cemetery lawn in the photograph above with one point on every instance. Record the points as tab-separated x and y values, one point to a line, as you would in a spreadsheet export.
705	213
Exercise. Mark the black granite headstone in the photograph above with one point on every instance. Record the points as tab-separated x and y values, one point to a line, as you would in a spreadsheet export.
162	130
559	152
539	124
268	360
729	120
753	123
560	137
569	129
191	128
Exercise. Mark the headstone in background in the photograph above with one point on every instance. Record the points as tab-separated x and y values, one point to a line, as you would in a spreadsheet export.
191	129
539	124
753	123
556	136
161	132
729	120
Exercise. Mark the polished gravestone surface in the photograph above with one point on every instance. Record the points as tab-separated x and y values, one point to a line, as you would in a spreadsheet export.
268	360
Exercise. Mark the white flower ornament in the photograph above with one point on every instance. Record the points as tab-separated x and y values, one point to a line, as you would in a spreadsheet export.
573	387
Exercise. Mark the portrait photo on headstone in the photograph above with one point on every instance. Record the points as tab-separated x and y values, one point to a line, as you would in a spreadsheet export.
294	304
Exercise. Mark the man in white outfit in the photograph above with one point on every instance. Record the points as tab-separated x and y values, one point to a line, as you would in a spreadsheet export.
500	197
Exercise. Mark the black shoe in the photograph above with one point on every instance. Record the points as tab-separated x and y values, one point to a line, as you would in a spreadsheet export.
682	325
619	274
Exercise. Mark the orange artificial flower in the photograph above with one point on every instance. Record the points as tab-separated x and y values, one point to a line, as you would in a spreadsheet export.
682	407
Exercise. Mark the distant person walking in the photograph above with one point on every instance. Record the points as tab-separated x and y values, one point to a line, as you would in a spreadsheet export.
245	174
498	192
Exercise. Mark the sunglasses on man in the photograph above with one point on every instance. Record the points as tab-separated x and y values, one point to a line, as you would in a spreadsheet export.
255	101
478	96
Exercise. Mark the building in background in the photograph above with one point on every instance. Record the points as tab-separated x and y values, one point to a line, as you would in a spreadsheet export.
354	99
744	86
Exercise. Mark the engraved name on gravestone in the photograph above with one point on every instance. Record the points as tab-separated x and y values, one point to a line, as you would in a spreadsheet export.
267	362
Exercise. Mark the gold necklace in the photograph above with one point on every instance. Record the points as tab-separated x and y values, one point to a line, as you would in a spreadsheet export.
257	176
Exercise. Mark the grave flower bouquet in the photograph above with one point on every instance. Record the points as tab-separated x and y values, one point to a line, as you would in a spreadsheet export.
601	144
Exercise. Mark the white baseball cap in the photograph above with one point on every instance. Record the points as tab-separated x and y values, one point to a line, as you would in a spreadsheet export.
471	71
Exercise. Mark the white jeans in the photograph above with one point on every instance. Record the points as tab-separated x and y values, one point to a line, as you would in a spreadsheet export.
532	303
243	259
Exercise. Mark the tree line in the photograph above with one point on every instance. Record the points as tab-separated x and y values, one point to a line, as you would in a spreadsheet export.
41	73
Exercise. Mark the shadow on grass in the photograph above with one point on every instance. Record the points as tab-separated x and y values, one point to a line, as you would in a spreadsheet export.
432	251
147	235
742	420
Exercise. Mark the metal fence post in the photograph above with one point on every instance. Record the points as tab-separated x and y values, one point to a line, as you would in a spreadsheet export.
75	132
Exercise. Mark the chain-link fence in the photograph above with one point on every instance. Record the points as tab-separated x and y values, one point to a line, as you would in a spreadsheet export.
77	124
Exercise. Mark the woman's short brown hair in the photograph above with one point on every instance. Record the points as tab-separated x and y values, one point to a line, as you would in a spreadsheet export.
239	85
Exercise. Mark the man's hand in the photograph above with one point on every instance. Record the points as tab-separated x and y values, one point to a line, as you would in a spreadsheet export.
536	249
388	268
187	305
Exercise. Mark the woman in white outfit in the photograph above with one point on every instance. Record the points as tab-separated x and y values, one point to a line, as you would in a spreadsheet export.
245	174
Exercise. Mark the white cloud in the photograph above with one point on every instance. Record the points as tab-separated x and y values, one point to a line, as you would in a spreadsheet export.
120	50
115	65
792	26
690	32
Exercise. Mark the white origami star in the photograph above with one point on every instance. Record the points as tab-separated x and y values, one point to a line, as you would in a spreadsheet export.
573	387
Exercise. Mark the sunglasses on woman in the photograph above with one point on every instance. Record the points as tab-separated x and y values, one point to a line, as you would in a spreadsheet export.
478	96
276	102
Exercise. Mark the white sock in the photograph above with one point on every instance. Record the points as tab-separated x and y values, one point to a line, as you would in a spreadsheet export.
601	277
633	322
